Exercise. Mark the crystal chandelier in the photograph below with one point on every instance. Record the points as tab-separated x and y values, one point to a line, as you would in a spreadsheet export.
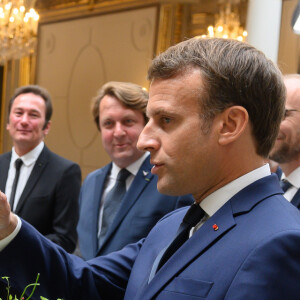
18	29
227	24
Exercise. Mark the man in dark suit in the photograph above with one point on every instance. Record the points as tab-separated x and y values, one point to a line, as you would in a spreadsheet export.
47	191
119	114
286	151
214	113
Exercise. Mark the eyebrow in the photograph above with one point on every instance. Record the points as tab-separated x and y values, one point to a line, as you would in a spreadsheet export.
292	109
125	116
160	111
30	110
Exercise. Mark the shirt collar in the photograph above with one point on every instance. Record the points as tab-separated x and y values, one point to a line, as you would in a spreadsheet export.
30	157
293	178
133	168
219	197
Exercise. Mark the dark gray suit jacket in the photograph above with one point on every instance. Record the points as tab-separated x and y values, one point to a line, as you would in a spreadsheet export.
49	200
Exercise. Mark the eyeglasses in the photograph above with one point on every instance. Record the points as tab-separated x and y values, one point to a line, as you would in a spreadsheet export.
287	112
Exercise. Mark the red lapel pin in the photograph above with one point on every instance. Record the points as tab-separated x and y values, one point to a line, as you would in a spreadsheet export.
215	227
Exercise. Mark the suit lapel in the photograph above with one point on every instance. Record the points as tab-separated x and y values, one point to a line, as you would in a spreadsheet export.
278	172
37	170
206	236
96	197
141	180
192	248
4	166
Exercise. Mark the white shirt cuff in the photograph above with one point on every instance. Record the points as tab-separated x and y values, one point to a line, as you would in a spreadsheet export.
6	241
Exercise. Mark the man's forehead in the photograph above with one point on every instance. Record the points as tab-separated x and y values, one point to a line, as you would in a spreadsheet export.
293	89
127	112
158	103
29	102
30	109
29	97
292	81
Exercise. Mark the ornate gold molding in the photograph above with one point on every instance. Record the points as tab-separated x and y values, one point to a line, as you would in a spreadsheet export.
170	30
53	11
57	10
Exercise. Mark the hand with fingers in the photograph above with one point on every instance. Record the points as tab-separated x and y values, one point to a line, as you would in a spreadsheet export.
8	220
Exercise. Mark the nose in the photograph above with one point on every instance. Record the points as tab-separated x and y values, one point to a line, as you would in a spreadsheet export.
147	140
119	130
24	119
282	128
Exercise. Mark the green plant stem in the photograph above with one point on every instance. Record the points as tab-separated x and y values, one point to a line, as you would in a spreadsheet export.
32	284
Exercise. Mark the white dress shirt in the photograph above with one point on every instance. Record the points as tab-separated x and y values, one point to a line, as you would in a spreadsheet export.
29	160
218	198
294	179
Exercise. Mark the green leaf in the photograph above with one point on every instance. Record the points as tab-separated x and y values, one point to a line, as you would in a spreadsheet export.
5	277
10	297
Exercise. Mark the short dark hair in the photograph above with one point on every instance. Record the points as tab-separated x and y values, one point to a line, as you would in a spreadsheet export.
130	94
37	90
232	73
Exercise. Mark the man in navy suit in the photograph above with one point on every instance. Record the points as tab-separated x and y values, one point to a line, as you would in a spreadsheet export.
214	113
286	151
119	113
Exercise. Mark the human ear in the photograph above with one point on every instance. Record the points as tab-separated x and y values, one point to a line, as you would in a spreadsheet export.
232	124
47	128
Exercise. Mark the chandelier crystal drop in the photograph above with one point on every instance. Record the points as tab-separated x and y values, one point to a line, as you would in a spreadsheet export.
227	23
18	29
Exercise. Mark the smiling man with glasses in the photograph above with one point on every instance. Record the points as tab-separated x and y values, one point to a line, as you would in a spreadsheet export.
286	151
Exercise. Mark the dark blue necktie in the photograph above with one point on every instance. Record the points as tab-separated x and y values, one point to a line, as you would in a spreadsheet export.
18	164
112	203
296	199
285	185
191	219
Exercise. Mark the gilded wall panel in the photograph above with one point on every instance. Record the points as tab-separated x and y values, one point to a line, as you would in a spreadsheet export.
75	58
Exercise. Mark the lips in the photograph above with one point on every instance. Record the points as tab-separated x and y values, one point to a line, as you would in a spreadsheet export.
120	145
156	167
23	131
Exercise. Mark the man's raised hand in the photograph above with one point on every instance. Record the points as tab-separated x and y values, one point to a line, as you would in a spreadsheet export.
8	221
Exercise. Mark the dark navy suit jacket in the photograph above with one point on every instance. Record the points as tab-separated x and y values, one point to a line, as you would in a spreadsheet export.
253	255
140	209
49	200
